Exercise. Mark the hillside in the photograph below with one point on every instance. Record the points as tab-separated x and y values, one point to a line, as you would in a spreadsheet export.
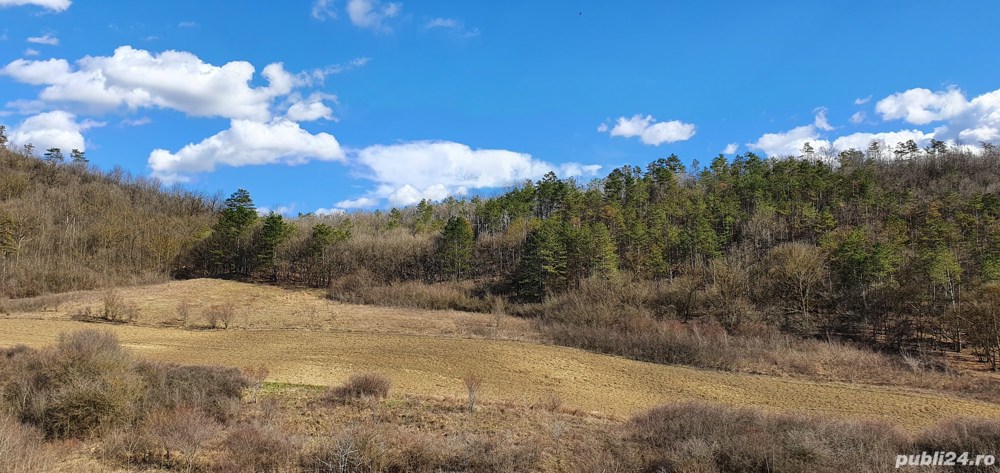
65	227
302	339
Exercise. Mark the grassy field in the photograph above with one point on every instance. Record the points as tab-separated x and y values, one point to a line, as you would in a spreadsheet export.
303	339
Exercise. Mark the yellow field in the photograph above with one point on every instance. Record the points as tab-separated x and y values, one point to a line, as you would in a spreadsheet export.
427	353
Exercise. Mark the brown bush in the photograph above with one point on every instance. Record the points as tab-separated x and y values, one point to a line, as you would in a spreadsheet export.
364	385
85	383
220	315
677	437
473	382
116	309
215	390
362	289
183	430
253	449
960	435
22	449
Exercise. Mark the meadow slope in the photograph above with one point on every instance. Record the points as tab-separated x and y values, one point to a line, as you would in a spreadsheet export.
421	362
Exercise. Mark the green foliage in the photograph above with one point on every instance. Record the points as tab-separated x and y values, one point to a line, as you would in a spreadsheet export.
457	241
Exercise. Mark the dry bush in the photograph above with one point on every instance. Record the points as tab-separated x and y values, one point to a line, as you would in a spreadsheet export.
361	289
960	435
358	386
693	437
473	382
183	430
183	313
220	315
116	309
551	402
255	376
85	383
215	390
256	449
128	446
22	448
33	304
359	448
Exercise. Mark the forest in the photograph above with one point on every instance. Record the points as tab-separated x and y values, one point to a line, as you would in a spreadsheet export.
896	249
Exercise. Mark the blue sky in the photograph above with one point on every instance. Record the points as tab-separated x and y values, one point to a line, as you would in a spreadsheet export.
336	105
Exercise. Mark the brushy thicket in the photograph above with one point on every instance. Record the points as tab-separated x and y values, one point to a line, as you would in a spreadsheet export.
361	386
64	227
636	320
711	438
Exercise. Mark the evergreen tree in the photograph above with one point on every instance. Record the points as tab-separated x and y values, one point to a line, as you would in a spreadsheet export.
53	156
231	251
78	158
457	241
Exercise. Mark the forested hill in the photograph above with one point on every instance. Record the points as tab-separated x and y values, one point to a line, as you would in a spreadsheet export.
860	245
65	227
894	248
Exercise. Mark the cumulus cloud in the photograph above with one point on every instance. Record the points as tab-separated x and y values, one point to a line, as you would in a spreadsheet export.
405	173
46	40
246	143
54	5
371	14
731	148
359	203
310	108
135	78
860	141
57	129
921	106
789	143
649	131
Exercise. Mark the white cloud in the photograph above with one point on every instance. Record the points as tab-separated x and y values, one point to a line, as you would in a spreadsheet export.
54	5
323	212
359	203
286	210
649	130
318	76
862	101
858	117
789	143
921	106
453	25
372	14
188	24
310	108
246	143
442	23
57	129
323	9
731	148
405	173
31	52
141	121
45	39
860	141
134	79
820	121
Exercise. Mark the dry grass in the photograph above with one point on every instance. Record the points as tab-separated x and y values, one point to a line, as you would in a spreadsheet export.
518	371
180	303
361	386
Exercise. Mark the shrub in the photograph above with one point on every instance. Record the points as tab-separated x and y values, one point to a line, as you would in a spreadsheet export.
183	313
960	435
84	383
22	449
220	315
215	390
183	430
472	384
116	309
254	449
364	385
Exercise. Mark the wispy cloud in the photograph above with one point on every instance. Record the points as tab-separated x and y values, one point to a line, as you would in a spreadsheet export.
48	40
452	25
372	14
323	9
54	5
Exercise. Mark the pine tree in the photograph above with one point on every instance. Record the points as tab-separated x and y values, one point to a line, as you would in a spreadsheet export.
78	158
53	156
457	241
232	252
